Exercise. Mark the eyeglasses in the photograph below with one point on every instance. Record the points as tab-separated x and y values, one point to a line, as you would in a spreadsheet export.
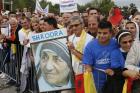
75	25
125	42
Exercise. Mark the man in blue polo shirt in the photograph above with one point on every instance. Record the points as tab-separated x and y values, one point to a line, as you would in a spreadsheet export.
97	54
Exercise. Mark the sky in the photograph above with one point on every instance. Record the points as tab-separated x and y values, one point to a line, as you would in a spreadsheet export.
117	2
78	1
127	2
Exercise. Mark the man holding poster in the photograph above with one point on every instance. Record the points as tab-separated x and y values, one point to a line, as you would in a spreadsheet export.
76	44
52	59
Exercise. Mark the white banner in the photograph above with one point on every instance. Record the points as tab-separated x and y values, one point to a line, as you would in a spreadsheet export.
46	10
38	8
48	35
68	6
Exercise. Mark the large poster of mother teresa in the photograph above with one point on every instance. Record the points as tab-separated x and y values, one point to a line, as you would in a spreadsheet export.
53	65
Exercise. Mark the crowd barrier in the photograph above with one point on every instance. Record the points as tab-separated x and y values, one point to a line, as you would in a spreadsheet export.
10	65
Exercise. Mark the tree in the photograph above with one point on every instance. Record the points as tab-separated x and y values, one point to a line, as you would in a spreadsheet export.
132	8
43	4
81	8
125	11
52	8
128	10
31	4
103	5
23	3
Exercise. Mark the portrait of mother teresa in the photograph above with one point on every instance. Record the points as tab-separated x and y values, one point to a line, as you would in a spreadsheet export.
53	66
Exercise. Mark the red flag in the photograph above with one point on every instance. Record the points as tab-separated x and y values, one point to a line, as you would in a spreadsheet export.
79	83
116	18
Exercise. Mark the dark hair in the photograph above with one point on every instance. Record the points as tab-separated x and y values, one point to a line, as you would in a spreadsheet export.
136	13
103	24
12	13
130	22
93	8
122	33
26	18
85	11
23	15
51	21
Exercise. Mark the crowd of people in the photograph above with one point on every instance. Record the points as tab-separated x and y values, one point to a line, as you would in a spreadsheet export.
108	46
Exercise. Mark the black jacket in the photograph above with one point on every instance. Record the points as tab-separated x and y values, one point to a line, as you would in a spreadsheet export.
114	84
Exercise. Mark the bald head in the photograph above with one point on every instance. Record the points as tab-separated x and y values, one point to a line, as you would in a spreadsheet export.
93	25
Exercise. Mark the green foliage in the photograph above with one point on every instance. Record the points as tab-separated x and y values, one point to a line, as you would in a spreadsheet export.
53	8
103	5
126	10
31	4
81	8
23	3
43	4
